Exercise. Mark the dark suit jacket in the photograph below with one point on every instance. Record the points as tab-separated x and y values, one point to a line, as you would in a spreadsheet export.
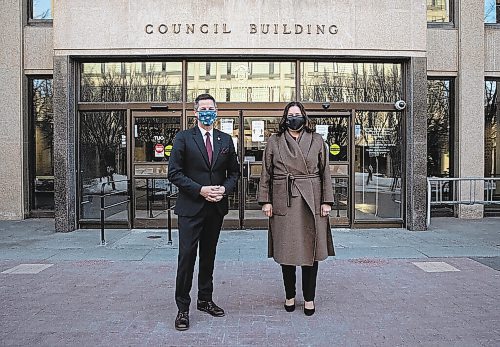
189	170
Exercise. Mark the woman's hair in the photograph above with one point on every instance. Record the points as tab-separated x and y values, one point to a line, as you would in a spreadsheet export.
308	126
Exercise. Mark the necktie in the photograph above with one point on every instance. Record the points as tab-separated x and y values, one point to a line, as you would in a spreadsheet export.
208	144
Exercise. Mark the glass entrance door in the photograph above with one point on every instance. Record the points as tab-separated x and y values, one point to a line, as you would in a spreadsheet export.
257	127
251	130
336	131
152	139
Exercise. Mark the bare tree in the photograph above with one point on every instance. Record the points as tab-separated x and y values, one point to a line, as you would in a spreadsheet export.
438	126
103	131
491	11
45	14
491	113
43	110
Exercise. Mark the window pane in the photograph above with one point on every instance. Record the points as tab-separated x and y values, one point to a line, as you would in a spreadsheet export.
439	128
103	159
378	165
335	131
43	185
131	82
492	140
42	9
438	11
492	11
351	82
152	131
242	81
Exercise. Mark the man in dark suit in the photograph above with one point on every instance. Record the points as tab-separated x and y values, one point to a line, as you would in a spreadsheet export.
204	166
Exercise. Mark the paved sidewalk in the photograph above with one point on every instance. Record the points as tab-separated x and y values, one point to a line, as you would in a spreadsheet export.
447	237
386	287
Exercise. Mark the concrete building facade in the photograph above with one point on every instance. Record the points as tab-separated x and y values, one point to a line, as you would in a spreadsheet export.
96	93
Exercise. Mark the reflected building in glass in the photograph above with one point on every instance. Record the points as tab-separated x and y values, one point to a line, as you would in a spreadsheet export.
93	105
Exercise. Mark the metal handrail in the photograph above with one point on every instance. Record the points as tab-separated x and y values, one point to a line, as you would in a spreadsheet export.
169	216
104	207
459	194
103	203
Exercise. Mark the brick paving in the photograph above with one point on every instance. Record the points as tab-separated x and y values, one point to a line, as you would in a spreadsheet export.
360	302
371	294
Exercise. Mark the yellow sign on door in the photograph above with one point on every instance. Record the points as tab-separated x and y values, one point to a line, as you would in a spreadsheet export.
168	150
334	149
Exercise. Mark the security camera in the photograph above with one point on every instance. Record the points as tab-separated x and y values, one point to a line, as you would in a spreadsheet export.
400	105
325	105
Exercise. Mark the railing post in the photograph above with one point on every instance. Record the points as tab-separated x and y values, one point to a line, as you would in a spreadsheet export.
129	203
103	241
429	195
169	218
338	204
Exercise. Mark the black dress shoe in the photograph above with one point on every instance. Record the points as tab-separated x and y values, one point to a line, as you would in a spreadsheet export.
309	311
182	320
210	307
289	308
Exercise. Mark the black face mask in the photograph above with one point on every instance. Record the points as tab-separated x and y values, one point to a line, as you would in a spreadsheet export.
295	123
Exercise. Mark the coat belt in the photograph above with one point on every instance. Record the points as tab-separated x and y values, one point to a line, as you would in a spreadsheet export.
290	182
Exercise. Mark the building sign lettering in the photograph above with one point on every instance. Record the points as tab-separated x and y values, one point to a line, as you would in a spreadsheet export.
253	29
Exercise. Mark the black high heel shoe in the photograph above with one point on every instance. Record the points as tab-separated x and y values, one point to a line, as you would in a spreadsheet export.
289	308
309	311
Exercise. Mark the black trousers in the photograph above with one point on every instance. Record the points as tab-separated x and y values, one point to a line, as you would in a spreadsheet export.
203	230
309	275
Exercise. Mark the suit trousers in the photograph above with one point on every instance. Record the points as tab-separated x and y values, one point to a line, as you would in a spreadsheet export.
203	230
309	275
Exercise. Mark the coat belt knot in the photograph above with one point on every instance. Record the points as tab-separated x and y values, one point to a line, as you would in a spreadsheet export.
291	189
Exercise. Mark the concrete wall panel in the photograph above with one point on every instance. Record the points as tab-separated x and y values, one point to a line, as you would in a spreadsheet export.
38	48
384	27
492	52
11	158
470	100
442	51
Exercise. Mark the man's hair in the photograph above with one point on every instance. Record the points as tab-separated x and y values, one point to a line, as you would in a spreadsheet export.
203	97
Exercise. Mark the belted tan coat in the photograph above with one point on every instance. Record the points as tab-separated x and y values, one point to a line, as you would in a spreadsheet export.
296	180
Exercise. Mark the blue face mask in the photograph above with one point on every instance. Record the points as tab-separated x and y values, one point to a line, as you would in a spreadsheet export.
207	117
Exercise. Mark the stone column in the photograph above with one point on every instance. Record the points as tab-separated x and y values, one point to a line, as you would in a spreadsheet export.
470	101
65	186
11	112
416	145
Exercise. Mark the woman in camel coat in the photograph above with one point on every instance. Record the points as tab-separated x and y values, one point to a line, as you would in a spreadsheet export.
295	192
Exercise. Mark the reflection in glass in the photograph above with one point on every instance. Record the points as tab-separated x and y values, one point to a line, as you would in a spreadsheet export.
351	82
340	208
335	131
492	140
131	81
43	116
438	11
242	81
439	128
103	159
257	131
42	9
378	166
339	170
154	137
152	196
492	11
